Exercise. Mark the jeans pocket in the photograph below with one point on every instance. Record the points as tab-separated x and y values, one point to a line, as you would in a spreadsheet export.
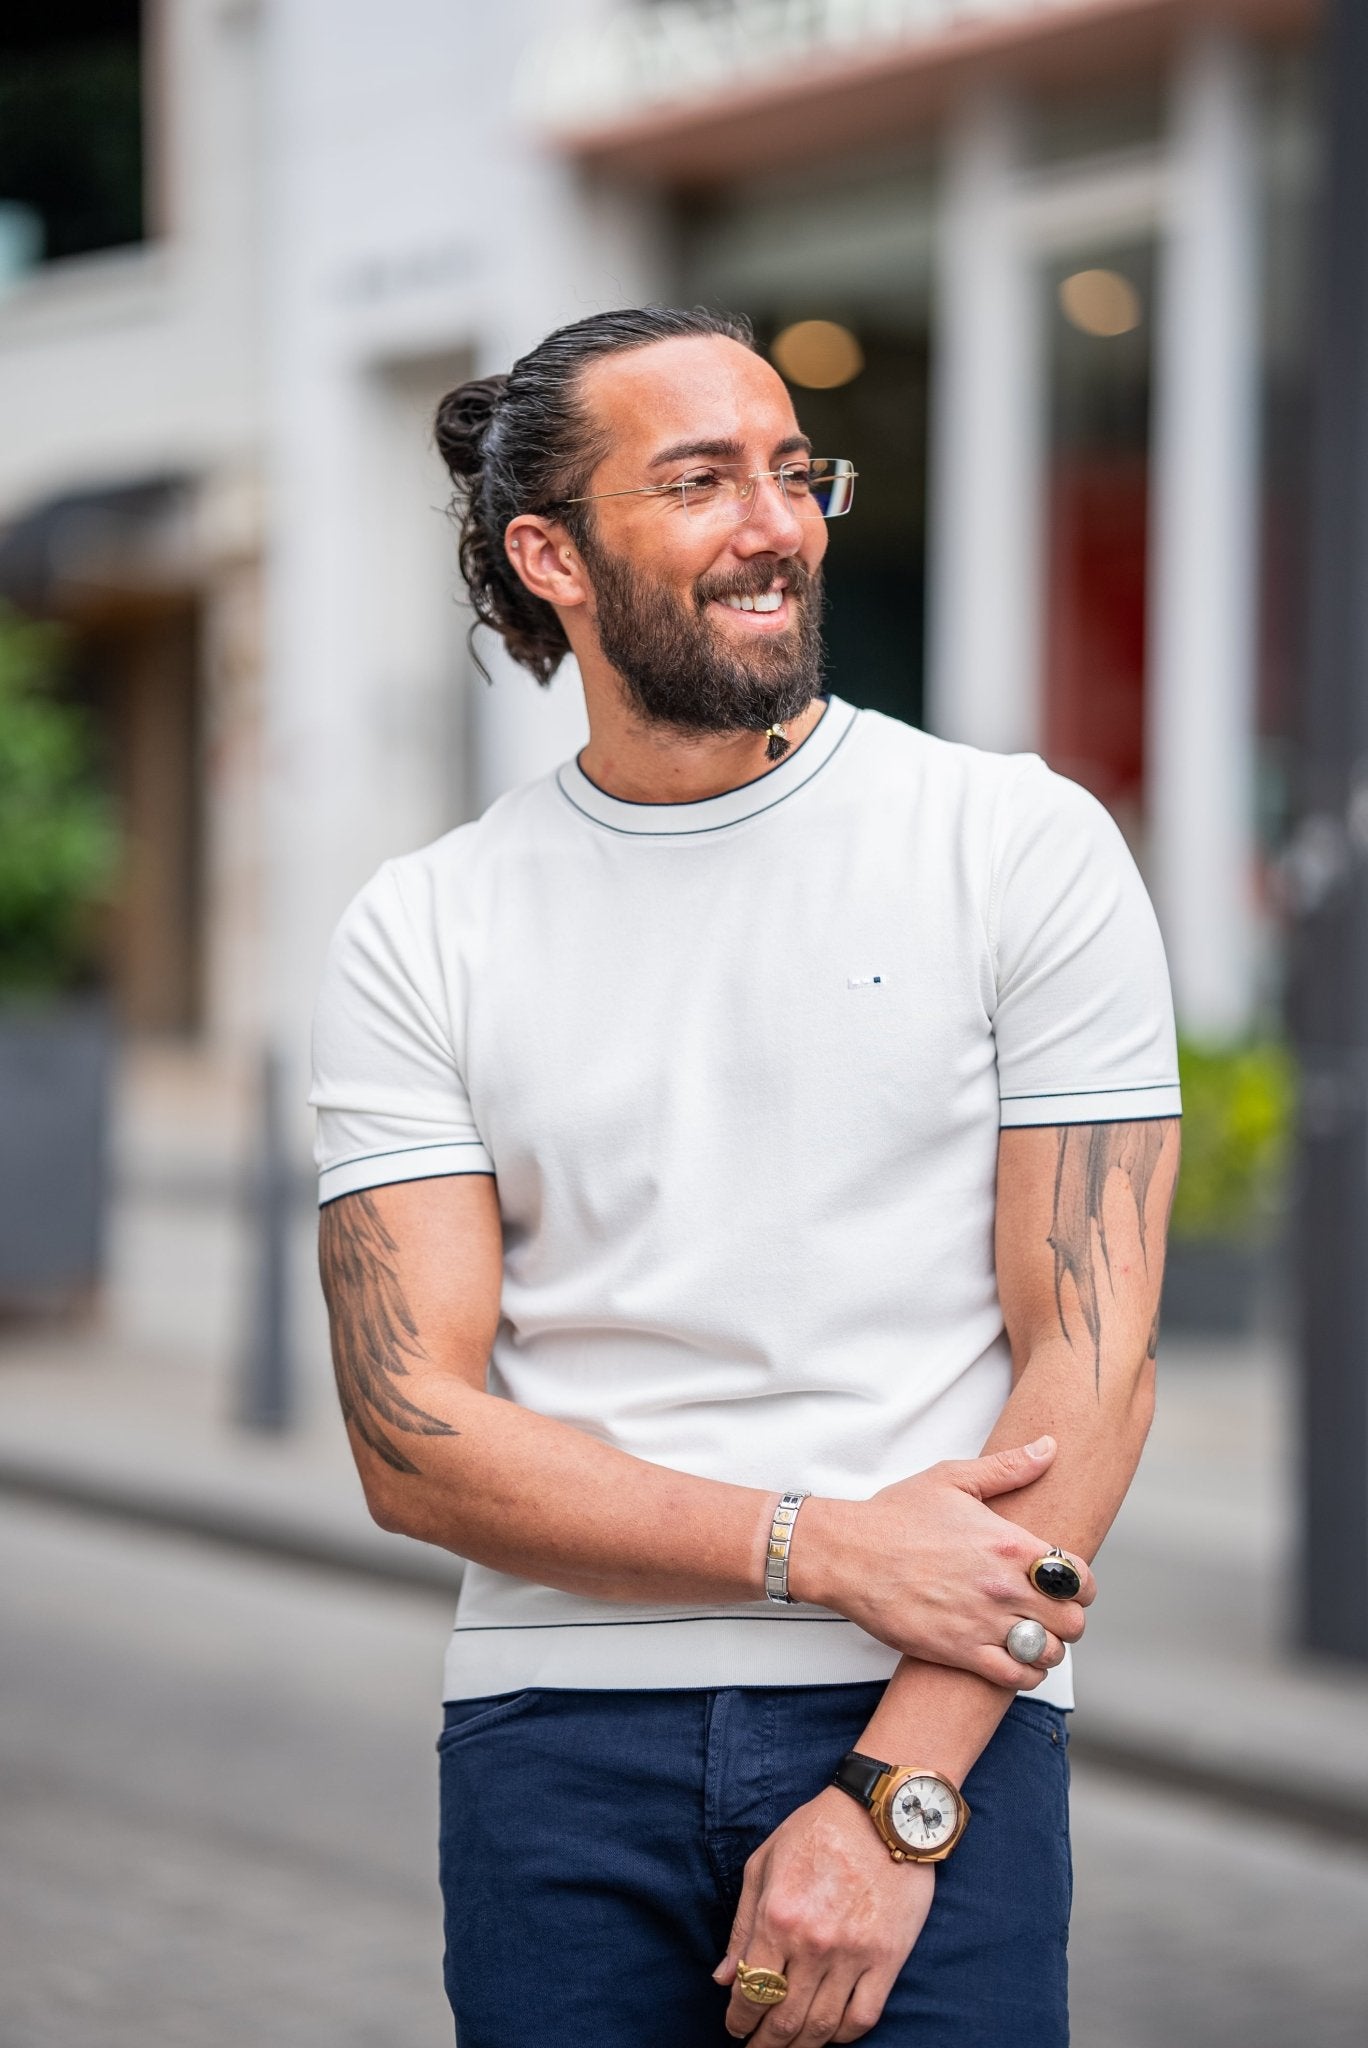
464	1719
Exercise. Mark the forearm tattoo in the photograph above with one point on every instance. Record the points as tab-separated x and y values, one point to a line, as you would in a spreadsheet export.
1088	1154
373	1330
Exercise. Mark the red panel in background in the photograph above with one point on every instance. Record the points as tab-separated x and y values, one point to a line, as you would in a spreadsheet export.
1095	627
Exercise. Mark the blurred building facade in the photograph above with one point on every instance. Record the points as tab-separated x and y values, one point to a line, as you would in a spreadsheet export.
1059	251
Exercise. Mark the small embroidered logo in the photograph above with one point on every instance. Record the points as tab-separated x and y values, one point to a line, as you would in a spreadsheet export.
864	981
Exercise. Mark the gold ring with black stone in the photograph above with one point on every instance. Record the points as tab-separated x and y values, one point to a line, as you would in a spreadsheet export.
761	1987
1055	1577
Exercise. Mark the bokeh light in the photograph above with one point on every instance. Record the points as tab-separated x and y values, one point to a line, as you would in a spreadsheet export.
1101	302
819	354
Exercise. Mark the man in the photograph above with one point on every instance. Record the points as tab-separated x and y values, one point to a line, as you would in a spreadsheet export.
723	1142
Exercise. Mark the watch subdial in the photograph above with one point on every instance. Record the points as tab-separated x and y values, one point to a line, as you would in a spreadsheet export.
924	1811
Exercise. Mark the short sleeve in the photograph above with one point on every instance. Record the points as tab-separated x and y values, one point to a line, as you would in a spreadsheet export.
387	1087
1084	1015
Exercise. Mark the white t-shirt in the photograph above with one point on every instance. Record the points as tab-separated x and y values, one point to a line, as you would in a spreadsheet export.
739	1067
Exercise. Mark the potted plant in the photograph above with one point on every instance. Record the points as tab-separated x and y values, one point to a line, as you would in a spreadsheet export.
58	860
1237	1121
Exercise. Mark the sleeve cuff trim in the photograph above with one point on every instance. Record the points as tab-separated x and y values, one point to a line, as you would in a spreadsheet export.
385	1169
1093	1106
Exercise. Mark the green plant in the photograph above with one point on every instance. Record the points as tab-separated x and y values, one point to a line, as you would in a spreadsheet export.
1237	1123
58	846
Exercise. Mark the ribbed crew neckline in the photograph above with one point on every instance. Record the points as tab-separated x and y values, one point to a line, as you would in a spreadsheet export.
712	813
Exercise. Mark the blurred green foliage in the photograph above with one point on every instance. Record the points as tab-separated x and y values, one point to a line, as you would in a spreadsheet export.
59	849
1238	1104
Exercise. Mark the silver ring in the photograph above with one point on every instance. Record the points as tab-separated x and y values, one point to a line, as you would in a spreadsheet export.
1026	1641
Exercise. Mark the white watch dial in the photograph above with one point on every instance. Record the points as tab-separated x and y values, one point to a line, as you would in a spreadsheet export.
924	1812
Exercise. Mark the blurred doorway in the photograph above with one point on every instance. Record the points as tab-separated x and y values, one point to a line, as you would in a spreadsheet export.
143	672
835	275
1098	323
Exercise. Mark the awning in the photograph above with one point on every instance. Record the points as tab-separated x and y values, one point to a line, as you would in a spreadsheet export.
76	552
698	92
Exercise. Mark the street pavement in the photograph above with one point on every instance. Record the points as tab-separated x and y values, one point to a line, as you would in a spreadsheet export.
217	1788
216	1764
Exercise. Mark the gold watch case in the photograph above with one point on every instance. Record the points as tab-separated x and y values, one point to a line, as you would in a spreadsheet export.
882	1800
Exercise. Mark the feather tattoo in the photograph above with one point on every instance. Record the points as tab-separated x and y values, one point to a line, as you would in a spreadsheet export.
374	1332
1088	1154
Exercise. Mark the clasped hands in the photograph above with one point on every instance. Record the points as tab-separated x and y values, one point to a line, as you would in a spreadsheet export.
926	1567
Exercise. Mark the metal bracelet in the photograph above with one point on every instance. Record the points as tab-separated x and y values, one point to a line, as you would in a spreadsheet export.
777	1551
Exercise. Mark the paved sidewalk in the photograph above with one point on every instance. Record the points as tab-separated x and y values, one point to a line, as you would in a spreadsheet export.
1184	1675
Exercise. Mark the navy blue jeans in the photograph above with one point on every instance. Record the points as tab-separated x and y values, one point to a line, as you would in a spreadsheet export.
592	1846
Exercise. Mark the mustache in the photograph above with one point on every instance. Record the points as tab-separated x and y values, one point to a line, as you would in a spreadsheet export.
753	579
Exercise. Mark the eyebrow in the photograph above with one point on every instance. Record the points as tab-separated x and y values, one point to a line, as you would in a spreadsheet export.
725	450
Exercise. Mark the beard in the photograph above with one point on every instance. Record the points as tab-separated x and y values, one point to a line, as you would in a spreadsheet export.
676	667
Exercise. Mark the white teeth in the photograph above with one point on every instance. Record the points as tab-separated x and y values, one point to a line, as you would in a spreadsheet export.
769	601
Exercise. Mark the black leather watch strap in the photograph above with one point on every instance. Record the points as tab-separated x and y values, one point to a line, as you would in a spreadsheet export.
858	1775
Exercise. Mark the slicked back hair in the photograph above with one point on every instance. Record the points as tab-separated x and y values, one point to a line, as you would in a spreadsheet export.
523	442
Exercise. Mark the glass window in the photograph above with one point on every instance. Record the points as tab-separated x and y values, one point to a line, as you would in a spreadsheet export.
71	129
1061	131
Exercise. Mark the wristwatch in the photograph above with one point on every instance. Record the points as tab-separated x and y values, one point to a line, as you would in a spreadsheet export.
919	1814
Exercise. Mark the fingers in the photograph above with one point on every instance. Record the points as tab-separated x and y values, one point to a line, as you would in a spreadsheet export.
1087	1589
1005	1670
1062	1618
1018	1552
999	1668
1003	1471
817	2004
725	1973
864	2007
780	2022
1010	1589
999	1472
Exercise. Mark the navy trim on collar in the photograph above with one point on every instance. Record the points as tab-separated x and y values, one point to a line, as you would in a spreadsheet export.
712	813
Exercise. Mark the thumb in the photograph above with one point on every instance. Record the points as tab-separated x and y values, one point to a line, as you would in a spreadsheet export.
1004	1471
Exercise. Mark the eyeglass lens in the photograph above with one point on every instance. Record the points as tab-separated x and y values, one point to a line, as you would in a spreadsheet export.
819	487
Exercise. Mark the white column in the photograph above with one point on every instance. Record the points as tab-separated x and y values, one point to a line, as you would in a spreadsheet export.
1203	546
984	525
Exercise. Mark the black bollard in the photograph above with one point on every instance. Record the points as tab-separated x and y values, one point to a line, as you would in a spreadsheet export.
266	1386
1328	872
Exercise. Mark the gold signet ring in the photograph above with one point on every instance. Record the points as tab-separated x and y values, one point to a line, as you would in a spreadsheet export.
761	1987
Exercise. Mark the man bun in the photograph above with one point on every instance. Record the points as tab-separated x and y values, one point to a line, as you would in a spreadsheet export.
523	443
464	418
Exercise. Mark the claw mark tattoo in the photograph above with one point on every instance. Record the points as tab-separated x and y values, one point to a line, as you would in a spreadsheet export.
373	1328
1087	1155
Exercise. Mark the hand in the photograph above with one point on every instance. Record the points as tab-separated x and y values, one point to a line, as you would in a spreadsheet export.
928	1569
824	1902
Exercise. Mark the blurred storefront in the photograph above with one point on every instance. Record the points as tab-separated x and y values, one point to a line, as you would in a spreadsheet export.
1039	266
130	459
1066	241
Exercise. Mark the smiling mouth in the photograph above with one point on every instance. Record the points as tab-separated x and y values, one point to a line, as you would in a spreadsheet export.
766	611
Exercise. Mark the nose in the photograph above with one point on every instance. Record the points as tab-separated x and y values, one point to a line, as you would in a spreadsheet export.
771	525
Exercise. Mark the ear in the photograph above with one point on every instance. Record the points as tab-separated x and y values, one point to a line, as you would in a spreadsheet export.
541	552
